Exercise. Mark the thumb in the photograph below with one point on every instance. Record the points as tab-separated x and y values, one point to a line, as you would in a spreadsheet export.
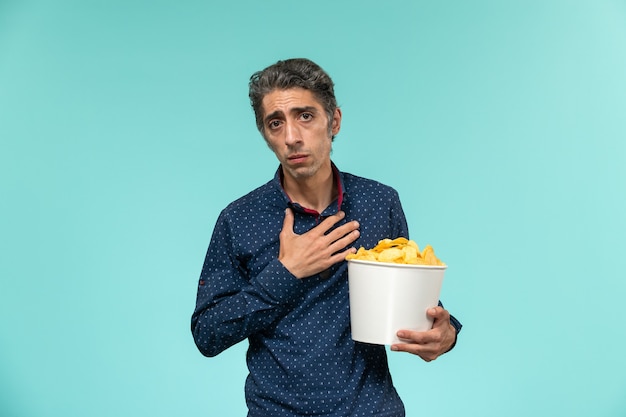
439	315
288	221
432	312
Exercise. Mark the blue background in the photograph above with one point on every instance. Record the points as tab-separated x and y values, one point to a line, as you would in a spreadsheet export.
125	128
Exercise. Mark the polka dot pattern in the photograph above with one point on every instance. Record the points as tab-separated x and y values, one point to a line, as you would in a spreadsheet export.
301	358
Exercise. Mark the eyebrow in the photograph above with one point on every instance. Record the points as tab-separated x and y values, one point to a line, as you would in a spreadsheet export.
296	110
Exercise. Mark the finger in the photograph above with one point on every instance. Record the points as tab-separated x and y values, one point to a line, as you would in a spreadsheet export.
343	231
413	348
415	337
341	256
329	222
288	220
405	347
435	312
341	243
424	353
440	315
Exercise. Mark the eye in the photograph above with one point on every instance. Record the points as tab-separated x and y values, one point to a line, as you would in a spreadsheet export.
274	124
306	116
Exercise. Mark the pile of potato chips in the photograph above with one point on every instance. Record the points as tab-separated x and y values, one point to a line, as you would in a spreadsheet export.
400	251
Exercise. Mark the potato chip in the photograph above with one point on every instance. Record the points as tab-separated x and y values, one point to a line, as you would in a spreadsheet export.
364	255
390	255
399	250
409	254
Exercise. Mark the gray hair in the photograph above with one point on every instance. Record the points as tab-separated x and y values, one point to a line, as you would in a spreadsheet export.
292	73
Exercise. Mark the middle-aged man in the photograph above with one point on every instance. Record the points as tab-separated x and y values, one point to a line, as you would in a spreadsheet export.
275	273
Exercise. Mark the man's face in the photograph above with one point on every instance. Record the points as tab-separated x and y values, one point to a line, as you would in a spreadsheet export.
297	130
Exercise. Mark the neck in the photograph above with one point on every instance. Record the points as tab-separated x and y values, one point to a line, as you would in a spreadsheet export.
315	192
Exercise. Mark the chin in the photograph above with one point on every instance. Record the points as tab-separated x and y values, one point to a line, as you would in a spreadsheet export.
302	172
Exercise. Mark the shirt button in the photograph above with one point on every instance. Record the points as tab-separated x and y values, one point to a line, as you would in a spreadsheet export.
325	274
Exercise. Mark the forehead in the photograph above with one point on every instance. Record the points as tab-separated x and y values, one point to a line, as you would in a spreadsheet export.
288	100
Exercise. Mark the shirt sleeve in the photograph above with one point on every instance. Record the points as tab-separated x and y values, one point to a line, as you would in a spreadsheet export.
230	305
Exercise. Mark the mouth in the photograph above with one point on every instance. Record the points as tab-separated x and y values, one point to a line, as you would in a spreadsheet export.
297	158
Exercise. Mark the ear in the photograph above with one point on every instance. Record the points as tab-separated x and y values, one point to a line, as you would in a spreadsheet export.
336	122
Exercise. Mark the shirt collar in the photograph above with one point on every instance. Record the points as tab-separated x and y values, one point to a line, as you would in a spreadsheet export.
338	178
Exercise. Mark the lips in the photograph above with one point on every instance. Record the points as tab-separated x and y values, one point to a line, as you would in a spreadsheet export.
297	158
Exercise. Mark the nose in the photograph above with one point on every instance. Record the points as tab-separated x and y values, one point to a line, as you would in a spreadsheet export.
292	134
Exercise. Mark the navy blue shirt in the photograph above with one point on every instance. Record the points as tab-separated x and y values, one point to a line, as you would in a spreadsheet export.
301	357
